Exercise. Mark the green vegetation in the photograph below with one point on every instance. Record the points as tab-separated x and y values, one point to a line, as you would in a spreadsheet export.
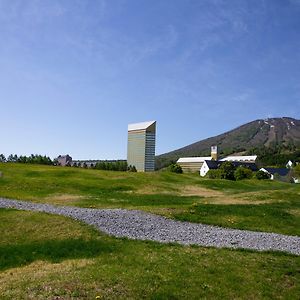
175	168
32	159
242	173
45	256
276	154
228	171
262	175
112	166
260	205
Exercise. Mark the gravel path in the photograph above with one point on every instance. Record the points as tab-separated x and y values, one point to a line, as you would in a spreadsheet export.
140	225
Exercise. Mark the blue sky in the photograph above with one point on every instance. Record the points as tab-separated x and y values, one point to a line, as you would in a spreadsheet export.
74	73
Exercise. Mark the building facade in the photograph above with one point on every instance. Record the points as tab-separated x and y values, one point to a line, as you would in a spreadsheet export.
141	146
64	160
192	164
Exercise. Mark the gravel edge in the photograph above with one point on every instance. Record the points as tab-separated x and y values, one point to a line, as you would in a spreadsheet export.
140	225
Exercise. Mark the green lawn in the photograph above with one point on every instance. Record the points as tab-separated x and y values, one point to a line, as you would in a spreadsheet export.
248	204
45	256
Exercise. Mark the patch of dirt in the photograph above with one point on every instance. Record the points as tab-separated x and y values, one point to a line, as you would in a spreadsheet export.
192	190
211	196
63	198
294	212
164	211
227	200
151	190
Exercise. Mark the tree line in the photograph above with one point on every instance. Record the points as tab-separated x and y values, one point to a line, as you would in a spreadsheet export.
118	165
276	155
32	159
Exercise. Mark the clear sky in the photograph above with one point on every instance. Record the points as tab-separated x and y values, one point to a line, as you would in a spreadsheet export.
73	74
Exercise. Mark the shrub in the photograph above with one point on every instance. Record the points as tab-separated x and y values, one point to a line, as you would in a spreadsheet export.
175	168
262	175
227	170
242	173
214	174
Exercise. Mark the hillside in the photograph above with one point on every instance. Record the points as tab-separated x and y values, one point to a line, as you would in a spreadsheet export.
47	256
255	134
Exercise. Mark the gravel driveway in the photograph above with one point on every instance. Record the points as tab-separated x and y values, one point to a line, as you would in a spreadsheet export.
140	225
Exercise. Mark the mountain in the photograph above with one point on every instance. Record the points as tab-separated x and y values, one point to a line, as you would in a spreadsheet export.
256	134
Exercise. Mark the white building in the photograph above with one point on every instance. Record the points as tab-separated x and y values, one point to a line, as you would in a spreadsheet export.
289	164
192	164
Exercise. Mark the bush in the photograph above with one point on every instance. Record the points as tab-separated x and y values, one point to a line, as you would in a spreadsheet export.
227	170
242	173
175	168
262	175
214	174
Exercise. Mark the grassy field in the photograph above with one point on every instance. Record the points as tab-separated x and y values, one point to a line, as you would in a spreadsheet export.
249	204
52	257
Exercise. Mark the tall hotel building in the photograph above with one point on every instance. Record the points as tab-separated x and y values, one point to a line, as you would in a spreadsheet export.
141	146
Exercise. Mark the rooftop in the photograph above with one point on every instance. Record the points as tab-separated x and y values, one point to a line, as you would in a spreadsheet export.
193	159
279	171
140	126
240	158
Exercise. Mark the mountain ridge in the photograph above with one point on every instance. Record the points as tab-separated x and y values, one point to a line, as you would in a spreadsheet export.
255	134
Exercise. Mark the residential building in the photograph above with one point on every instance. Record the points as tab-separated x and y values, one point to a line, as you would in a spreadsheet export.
64	160
141	146
281	172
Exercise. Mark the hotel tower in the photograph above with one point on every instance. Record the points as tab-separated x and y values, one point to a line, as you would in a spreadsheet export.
141	146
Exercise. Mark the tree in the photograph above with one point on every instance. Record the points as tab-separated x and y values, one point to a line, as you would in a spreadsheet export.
2	158
242	173
12	158
175	168
227	170
260	175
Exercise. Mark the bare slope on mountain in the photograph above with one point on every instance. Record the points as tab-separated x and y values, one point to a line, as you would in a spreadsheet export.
257	133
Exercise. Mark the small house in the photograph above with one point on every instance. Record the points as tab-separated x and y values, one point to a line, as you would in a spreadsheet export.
64	160
281	172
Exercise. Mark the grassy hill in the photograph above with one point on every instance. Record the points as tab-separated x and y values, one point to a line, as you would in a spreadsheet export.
45	256
256	134
248	204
